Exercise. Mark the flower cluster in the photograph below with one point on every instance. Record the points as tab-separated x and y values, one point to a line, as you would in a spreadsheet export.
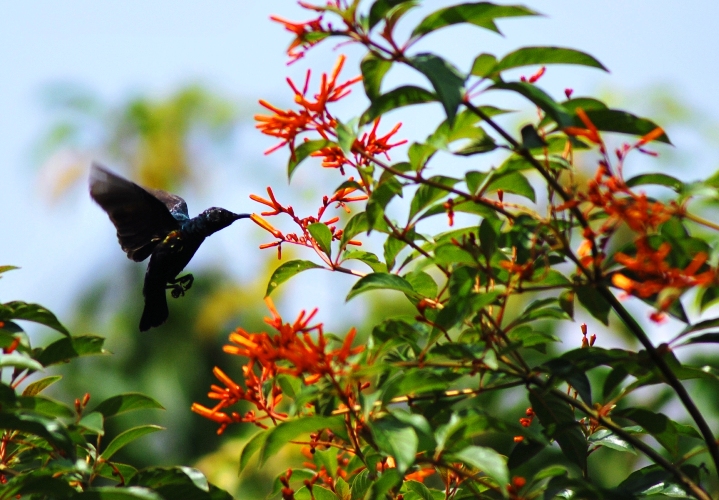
313	114
290	350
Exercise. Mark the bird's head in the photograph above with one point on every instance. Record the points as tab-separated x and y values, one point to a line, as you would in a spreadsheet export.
218	218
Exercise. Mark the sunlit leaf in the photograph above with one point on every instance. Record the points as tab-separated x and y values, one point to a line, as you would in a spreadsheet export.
287	271
126	437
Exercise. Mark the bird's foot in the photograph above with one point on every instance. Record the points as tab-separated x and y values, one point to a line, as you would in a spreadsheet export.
181	285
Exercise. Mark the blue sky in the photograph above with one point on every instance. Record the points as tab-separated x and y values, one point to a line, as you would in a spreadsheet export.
115	48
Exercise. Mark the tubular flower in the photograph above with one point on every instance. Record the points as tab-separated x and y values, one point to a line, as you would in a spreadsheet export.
312	115
307	34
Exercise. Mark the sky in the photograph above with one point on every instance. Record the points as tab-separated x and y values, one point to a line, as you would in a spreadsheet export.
116	49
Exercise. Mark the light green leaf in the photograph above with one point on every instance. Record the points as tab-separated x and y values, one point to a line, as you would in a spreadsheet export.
125	438
381	281
486	460
40	385
527	56
287	271
287	431
122	403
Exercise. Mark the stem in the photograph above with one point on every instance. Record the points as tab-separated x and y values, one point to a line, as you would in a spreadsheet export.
696	490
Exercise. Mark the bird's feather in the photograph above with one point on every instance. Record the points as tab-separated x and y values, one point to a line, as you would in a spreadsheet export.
141	218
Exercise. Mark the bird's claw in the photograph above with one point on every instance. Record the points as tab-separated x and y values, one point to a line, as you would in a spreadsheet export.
181	285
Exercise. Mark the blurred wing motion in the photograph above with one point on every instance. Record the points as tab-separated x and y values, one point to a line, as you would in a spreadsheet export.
142	218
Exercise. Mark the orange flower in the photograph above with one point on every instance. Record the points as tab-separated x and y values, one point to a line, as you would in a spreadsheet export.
302	32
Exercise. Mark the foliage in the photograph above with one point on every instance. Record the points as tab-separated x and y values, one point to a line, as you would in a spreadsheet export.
49	449
524	245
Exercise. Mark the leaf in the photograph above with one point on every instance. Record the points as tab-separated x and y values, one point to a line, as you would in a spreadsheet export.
69	348
605	437
19	360
613	120
322	236
422	283
31	312
531	138
287	431
380	8
373	71
4	269
38	386
427	194
527	56
93	422
50	430
346	135
381	281
483	65
572	374
486	460
356	225
446	80
253	446
512	182
397	98
303	151
114	493
396	439
184	483
287	271
558	419
122	403
45	406
657	179
661	427
125	438
594	302
553	109
366	257
480	14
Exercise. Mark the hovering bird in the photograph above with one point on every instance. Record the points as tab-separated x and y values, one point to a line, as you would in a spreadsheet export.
153	223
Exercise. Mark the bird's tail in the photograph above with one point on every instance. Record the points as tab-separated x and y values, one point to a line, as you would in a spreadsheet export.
155	312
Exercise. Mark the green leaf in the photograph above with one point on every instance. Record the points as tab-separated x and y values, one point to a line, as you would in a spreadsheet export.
356	225
446	80
31	312
373	71
482	14
287	431
512	182
613	120
346	136
40	385
396	439
483	65
379	199
661	427
184	483
422	283
397	98
657	179
528	56
114	493
125	438
381	281
93	422
605	437
323	236
49	429
531	138
303	151
71	347
254	445
427	194
594	302
381	8
366	257
122	403
4	269
287	271
19	360
558	419
45	406
553	109
486	460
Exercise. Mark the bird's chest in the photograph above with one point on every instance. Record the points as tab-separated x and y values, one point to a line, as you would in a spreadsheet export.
174	252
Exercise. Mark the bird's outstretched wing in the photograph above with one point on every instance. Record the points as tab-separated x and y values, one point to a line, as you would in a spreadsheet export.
140	217
176	205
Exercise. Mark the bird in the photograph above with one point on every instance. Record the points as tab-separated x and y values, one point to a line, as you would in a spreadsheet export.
156	224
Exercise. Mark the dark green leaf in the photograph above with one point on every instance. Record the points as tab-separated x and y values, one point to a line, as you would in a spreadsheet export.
45	406
594	302
356	225
373	71
482	14
427	194
303	151
553	109
49	429
279	436
381	281
287	271
527	56
380	8
446	80
31	312
661	427
122	403
114	493
71	347
558	419
605	437
613	120
397	98
379	199
530	138
125	438
397	440
658	179
254	444
323	236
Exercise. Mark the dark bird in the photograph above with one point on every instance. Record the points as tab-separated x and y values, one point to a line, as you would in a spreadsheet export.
153	223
